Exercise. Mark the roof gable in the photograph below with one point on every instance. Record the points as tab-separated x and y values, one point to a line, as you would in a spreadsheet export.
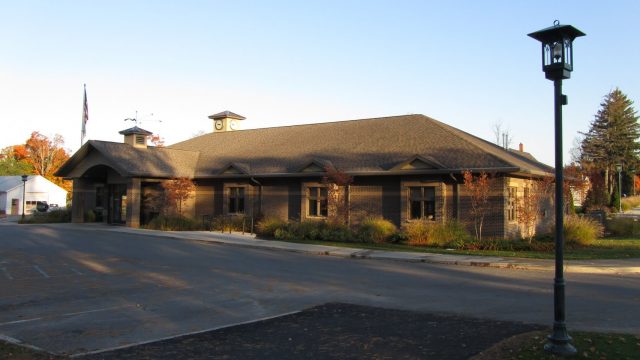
418	162
315	166
235	169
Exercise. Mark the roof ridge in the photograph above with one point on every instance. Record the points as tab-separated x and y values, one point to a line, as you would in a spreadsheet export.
494	150
222	133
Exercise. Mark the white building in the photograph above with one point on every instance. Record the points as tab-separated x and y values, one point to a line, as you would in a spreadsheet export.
37	188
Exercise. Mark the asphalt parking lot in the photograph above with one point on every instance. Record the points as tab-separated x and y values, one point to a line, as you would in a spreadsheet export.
72	290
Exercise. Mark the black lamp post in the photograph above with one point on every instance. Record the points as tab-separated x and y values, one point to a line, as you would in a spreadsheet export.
557	64
24	191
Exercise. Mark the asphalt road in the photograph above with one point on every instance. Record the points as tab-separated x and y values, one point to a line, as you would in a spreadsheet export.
72	289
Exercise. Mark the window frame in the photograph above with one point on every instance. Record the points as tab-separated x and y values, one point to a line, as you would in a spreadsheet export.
319	195
237	196
423	199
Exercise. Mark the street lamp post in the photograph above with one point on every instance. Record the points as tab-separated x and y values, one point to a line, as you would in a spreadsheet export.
619	170
557	64
24	191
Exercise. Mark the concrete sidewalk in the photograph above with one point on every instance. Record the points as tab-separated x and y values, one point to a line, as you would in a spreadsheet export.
620	267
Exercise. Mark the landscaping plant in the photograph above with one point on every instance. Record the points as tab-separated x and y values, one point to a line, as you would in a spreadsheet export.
377	230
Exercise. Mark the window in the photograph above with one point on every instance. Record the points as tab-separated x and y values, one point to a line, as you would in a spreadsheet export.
422	202
236	200
317	202
140	139
511	203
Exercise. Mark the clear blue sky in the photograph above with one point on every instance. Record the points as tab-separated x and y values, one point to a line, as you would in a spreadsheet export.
466	63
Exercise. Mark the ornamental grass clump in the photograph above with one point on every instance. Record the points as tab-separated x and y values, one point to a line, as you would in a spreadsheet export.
430	233
267	227
581	231
377	230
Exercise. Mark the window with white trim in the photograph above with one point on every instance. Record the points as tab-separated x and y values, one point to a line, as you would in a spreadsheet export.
317	202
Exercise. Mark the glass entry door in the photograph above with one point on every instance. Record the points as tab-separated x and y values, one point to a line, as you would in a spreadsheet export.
118	204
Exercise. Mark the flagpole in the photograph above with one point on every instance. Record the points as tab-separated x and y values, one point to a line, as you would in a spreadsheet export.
85	116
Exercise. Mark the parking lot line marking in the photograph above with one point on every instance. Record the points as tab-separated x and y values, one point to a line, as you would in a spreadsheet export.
40	271
6	273
63	315
75	271
184	334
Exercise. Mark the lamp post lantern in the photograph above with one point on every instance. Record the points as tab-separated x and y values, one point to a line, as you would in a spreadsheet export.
557	64
24	191
619	170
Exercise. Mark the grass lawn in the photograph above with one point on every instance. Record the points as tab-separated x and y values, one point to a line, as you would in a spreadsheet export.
608	248
530	346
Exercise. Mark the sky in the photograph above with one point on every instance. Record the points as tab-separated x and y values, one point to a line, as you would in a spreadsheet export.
469	64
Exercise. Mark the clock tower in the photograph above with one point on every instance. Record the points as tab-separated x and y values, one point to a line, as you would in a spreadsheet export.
226	121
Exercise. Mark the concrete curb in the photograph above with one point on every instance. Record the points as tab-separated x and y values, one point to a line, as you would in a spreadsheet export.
616	267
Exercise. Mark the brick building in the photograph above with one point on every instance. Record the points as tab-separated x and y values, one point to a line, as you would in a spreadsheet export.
403	168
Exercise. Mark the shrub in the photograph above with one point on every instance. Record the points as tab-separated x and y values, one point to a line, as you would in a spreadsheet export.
377	230
54	216
267	227
230	223
312	230
90	216
581	231
173	223
429	233
620	226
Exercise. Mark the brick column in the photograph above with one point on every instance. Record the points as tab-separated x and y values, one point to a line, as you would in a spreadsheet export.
133	202
79	199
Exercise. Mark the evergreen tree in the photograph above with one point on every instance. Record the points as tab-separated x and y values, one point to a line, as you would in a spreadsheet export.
612	138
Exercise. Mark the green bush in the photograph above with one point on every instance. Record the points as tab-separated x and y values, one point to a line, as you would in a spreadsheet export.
429	233
581	231
230	223
173	223
267	227
54	216
90	216
311	230
621	226
377	230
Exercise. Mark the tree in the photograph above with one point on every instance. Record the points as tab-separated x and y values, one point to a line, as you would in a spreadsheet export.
480	187
46	156
531	203
612	138
337	188
157	140
13	163
503	136
177	191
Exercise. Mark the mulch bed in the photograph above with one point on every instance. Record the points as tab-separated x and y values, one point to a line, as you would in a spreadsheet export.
335	331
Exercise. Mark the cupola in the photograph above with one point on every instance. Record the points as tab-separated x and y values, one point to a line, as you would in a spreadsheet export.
136	137
226	121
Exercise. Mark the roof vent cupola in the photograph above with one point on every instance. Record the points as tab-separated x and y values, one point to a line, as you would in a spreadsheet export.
226	121
136	137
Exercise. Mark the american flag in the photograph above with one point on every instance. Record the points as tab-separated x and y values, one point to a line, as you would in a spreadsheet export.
85	116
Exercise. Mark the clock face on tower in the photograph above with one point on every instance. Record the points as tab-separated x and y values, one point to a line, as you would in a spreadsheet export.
233	124
218	124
